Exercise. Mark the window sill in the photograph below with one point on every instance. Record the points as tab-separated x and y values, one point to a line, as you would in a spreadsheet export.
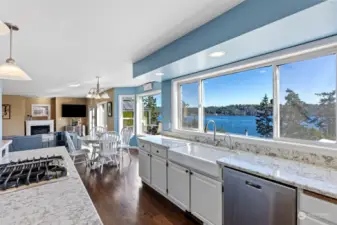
322	148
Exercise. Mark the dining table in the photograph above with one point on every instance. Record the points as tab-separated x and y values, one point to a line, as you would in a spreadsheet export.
94	142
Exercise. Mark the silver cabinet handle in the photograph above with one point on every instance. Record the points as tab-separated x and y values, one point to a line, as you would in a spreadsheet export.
253	185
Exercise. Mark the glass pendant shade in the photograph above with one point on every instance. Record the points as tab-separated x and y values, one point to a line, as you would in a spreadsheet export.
105	95
10	71
3	28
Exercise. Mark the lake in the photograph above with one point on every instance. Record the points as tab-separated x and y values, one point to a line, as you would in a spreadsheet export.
231	124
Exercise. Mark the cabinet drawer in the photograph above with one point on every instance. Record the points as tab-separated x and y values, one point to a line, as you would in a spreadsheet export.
144	146
159	151
318	206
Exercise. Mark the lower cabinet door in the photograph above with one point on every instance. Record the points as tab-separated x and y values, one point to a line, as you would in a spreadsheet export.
158	174
178	185
144	166
206	199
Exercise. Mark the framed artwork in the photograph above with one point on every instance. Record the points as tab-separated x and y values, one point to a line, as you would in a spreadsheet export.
6	111
109	109
41	110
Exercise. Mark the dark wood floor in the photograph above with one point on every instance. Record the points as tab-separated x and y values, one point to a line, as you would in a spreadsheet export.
121	199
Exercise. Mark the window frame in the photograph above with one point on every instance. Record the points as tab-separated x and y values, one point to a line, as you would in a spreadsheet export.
120	112
303	52
139	111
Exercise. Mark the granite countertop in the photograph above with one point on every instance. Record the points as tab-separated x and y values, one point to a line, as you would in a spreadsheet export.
163	141
322	180
63	202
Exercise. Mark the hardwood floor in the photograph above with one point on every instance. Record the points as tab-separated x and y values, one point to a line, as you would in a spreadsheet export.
121	199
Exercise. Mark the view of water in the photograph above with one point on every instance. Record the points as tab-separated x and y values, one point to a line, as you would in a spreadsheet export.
231	124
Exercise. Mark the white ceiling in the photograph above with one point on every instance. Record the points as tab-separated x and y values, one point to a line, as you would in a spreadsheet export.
65	42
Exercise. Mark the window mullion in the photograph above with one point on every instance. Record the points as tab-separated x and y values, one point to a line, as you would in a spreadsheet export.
276	101
201	111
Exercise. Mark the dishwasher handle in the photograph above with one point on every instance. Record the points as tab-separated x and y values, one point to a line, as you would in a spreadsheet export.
257	186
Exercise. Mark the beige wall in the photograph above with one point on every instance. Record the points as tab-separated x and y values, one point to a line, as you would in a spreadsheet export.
22	106
93	103
16	124
59	120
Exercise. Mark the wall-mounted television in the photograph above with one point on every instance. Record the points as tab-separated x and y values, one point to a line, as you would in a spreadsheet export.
74	110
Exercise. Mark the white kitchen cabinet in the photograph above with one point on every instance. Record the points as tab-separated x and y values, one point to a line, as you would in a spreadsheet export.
158	174
178	185
144	166
206	199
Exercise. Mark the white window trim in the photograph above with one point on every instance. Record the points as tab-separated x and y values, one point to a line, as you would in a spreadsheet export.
327	46
120	112
139	110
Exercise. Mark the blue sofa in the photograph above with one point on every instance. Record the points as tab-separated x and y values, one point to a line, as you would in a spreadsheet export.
21	143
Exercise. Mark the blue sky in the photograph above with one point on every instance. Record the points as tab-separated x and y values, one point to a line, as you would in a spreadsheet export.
305	78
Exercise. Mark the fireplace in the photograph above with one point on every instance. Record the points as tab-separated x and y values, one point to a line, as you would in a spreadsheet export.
39	126
44	129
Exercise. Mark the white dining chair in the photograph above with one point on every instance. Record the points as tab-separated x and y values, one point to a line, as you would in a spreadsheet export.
125	138
108	152
73	152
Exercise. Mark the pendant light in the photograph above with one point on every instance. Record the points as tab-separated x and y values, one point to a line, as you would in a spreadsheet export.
9	70
3	28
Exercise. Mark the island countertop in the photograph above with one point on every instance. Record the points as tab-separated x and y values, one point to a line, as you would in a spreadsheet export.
61	202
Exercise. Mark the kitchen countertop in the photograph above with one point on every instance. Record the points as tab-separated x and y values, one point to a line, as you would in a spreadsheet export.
163	141
322	180
61	202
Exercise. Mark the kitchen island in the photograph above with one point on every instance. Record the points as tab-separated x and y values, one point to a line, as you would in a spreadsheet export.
64	201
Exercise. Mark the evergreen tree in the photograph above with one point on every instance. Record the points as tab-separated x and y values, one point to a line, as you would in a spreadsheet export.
325	118
264	118
150	104
295	120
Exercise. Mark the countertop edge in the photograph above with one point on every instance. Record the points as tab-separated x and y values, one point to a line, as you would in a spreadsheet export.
277	179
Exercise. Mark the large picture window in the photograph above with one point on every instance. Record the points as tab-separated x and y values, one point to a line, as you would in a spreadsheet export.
240	103
288	98
308	99
150	114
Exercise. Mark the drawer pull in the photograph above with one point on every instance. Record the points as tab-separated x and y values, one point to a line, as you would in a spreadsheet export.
157	151
186	171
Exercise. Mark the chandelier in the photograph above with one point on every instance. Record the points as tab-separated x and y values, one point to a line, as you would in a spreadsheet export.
97	93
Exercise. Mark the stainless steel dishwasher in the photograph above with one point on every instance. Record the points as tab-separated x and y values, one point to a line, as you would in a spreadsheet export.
250	200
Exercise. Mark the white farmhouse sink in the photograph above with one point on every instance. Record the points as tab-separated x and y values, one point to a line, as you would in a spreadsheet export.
199	157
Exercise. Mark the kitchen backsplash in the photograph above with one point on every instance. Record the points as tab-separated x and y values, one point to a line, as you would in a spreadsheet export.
263	149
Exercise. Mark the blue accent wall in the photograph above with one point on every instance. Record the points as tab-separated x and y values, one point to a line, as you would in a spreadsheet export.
166	105
248	16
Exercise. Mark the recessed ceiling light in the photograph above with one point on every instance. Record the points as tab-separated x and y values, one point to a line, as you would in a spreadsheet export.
159	74
74	85
217	54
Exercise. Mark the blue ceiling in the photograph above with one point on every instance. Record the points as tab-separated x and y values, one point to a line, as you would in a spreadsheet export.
246	18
